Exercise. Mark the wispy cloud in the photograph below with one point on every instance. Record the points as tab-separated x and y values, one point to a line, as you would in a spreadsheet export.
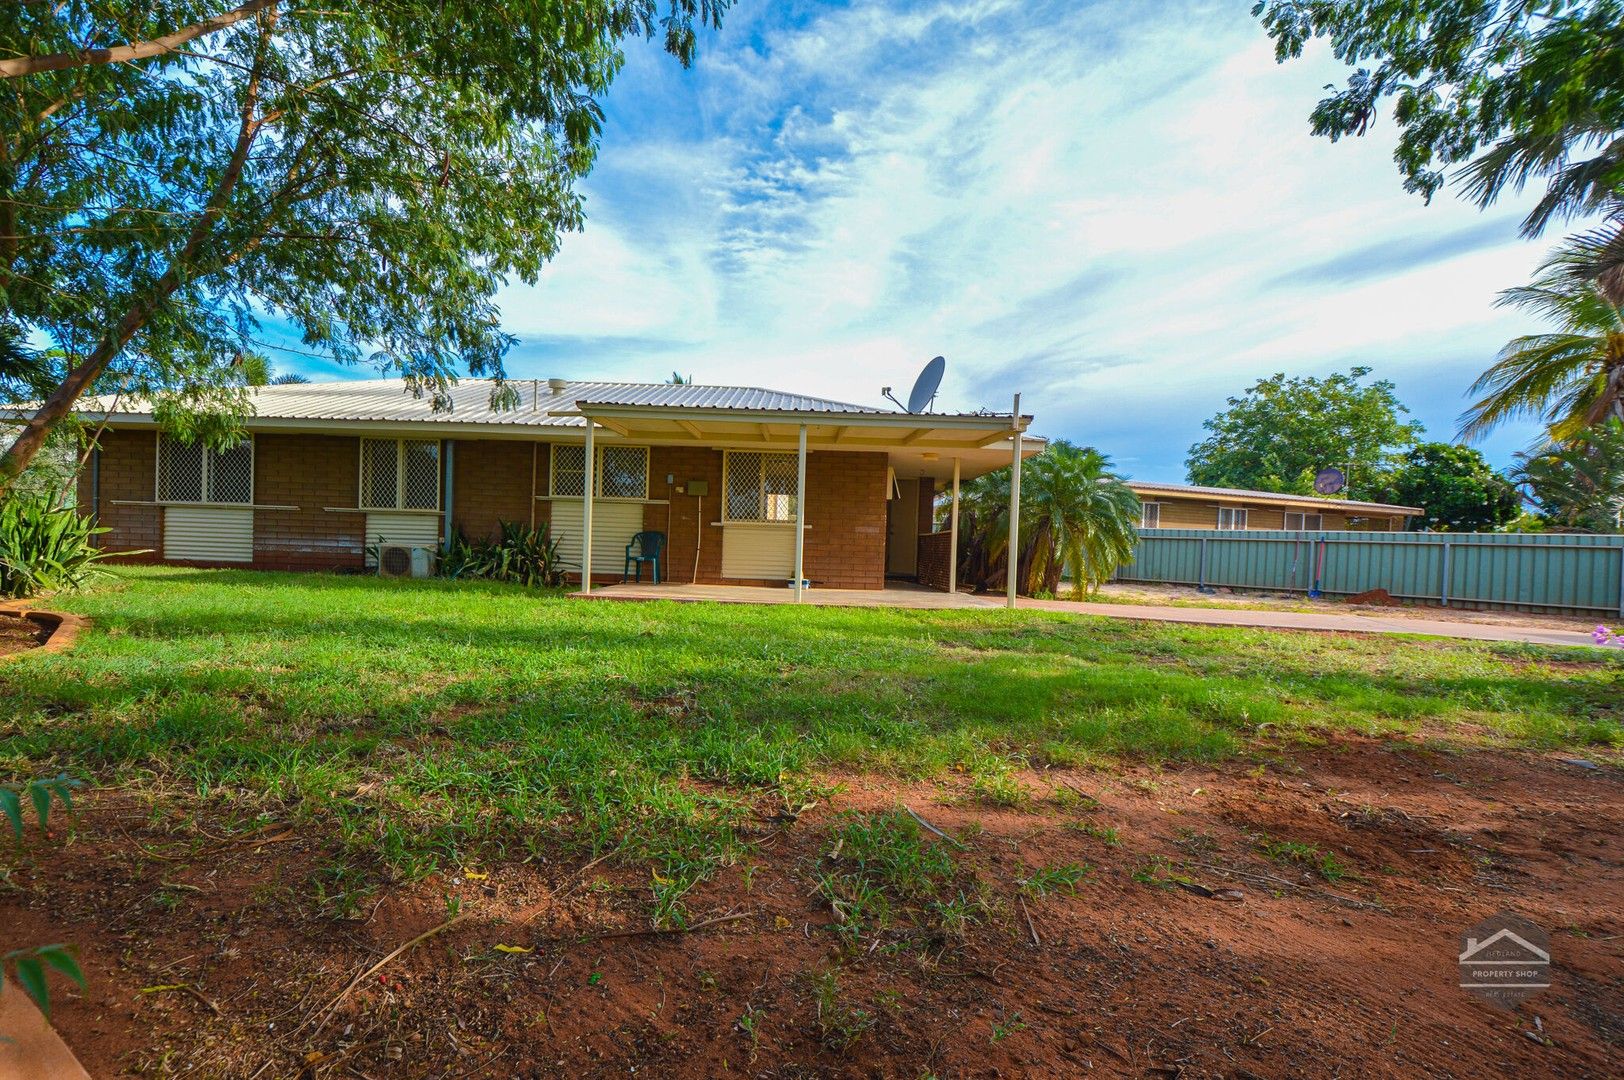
1115	208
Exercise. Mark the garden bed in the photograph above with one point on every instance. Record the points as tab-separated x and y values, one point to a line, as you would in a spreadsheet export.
22	630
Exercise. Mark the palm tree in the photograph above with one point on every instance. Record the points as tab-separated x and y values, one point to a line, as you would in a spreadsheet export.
1076	516
1572	379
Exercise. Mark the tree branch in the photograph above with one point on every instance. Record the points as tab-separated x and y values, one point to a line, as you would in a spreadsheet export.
141	50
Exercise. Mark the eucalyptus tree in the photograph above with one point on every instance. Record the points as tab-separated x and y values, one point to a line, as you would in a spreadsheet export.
368	171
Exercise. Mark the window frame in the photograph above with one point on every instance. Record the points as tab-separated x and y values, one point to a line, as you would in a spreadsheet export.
1302	517
597	471
1145	506
400	476
1237	518
761	489
205	474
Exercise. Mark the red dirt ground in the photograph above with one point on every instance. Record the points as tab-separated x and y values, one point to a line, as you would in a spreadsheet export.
1297	977
17	634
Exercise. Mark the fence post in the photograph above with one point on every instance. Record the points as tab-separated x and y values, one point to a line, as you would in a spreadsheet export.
1443	588
1621	581
1201	576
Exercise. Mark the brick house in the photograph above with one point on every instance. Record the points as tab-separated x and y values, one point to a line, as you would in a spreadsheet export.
329	470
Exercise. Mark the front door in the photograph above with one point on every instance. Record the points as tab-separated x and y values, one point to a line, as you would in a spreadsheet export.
902	530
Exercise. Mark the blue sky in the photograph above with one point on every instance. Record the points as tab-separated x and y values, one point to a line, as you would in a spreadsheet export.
1114	208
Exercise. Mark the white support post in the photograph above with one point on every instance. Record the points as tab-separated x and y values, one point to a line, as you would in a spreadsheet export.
953	536
800	514
586	512
1012	560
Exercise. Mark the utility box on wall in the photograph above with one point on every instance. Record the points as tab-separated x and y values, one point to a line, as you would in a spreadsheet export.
699	487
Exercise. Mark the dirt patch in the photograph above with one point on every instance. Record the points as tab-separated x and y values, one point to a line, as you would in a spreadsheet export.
1197	945
18	634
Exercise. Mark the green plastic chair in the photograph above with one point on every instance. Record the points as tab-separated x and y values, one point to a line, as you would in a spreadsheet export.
646	547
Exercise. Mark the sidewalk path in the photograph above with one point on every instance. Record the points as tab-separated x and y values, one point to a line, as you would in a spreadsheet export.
1313	620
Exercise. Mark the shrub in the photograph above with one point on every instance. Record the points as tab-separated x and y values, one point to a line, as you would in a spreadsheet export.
44	547
521	555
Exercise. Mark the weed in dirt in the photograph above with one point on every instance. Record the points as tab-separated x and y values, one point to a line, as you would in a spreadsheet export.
1053	879
1158	871
881	870
1194	843
1003	1029
1291	852
839	1023
1105	833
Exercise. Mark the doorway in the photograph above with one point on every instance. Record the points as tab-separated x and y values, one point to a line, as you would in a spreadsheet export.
902	530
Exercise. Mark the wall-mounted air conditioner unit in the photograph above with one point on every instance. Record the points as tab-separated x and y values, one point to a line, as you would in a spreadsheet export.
397	560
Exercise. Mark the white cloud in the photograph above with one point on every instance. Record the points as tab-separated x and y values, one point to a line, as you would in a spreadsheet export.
1079	202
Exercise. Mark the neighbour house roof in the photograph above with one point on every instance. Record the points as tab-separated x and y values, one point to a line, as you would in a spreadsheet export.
1220	494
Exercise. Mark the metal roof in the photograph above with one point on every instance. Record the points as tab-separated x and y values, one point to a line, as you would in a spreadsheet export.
1270	496
389	401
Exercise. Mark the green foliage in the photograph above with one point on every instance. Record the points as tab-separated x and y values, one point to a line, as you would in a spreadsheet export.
38	794
1282	431
1577	484
44	547
28	967
1571	379
1054	879
1456	486
1323	863
1513	92
369	173
881	870
520	555
1077	519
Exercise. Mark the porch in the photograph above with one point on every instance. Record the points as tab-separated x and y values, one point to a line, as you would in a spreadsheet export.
896	594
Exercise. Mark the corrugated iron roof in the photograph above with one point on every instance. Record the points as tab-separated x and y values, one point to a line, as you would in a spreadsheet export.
1270	496
389	401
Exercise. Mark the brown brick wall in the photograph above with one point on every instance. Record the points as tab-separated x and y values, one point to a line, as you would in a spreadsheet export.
128	472
845	508
845	515
490	483
933	560
311	472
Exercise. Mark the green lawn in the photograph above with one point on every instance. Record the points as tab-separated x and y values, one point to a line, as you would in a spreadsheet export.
424	722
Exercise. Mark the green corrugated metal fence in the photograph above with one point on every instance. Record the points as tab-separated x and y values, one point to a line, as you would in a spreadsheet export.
1579	574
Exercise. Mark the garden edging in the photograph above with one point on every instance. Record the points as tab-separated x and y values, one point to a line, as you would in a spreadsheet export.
62	629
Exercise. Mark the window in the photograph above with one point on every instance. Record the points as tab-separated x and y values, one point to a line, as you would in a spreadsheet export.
1232	517
193	473
1150	515
1298	522
400	474
621	473
759	487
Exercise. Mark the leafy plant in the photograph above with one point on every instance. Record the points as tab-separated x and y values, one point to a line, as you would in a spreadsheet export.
520	555
839	1024
1323	863
40	794
28	966
44	547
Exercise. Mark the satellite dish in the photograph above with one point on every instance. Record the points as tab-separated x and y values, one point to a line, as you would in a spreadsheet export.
924	390
1329	481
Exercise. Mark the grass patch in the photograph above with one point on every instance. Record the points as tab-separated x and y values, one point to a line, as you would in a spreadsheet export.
427	724
881	872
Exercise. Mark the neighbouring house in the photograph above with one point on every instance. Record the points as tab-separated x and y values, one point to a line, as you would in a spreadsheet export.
331	469
1183	506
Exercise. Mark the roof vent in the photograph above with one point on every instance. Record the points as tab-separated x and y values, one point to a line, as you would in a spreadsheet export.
558	386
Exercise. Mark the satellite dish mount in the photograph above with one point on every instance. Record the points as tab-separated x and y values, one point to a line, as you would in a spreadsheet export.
924	388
